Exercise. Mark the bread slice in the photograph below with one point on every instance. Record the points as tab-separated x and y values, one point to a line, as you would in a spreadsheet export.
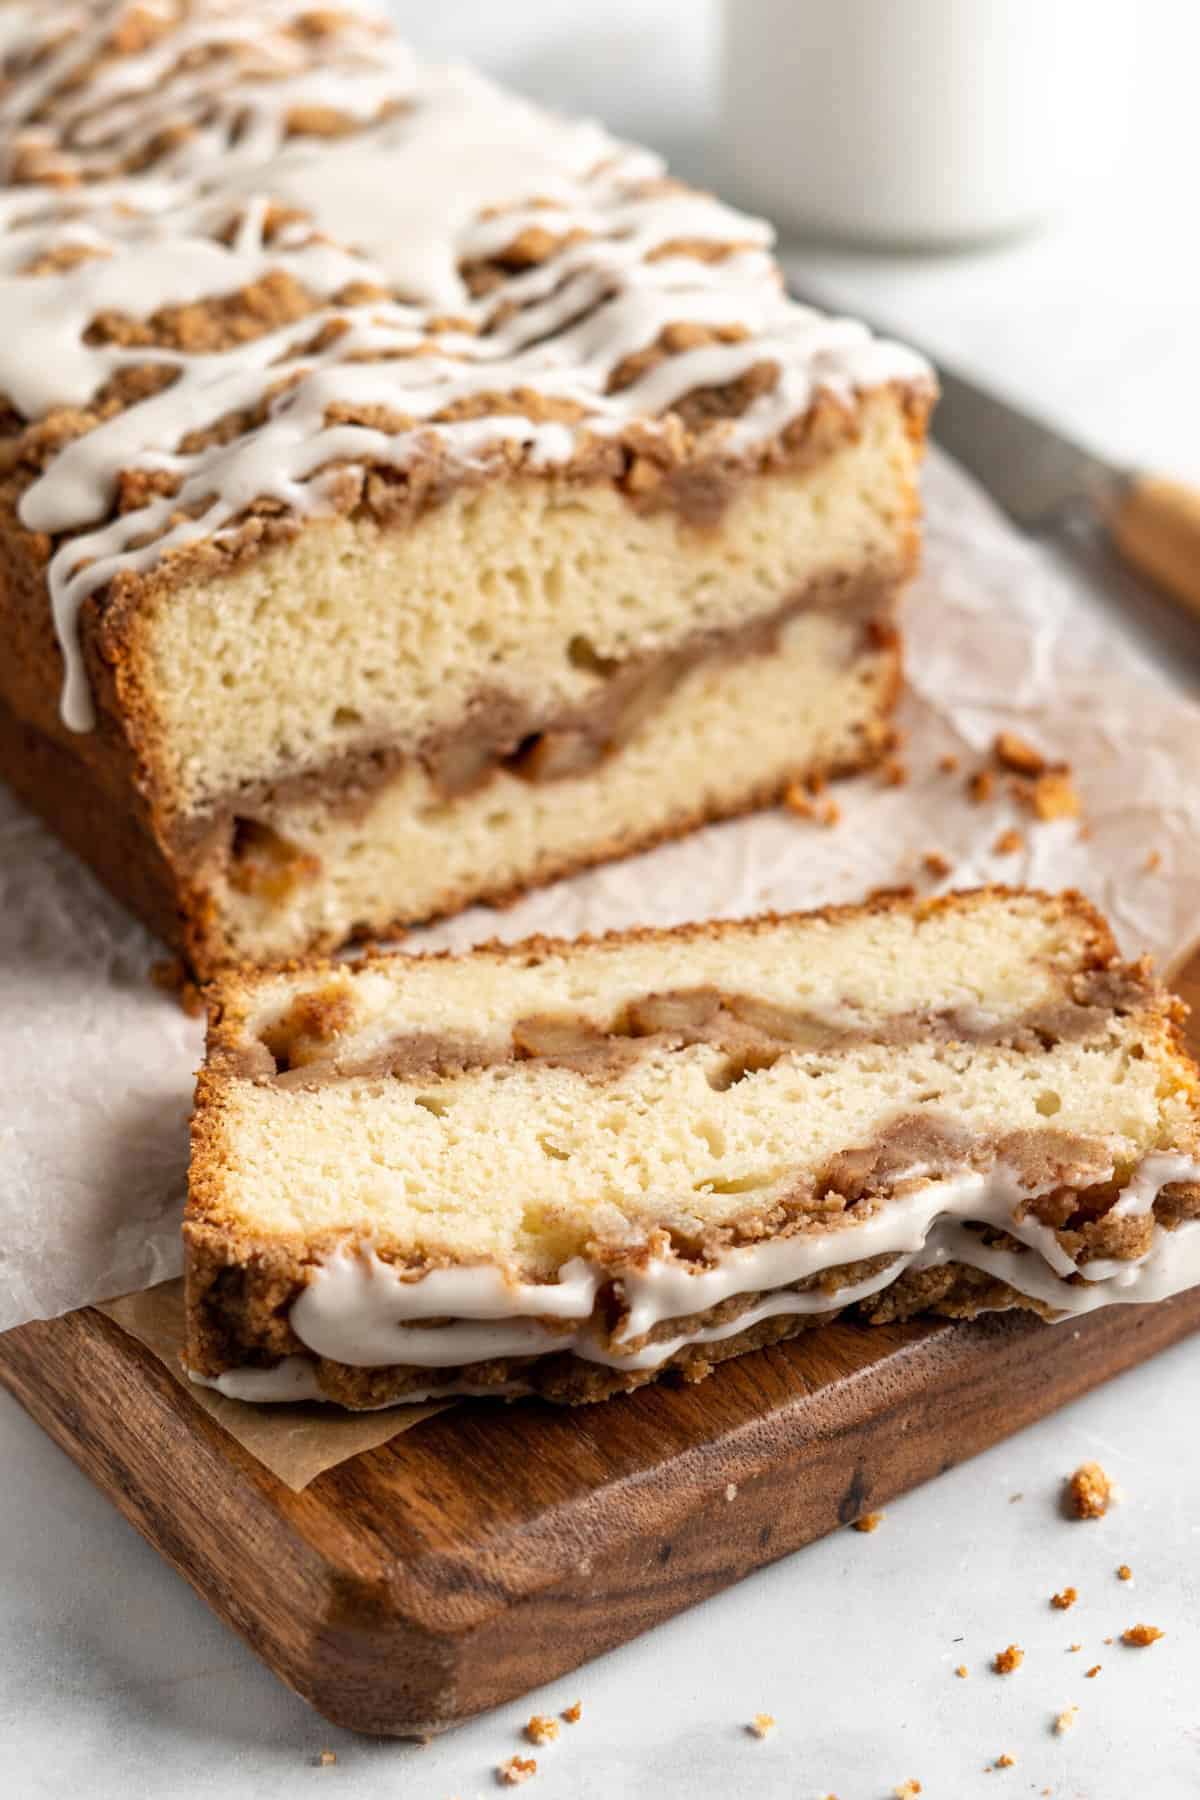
407	496
569	1167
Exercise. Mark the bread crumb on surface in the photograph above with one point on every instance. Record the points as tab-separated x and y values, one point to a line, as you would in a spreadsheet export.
980	786
541	1729
869	1522
961	1671
1089	1491
761	1725
1065	1599
798	800
1140	1635
1090	1674
326	1759
1124	1572
937	864
573	1713
907	1790
1016	753
1008	843
1066	1719
1005	1661
1005	1761
516	1770
1055	796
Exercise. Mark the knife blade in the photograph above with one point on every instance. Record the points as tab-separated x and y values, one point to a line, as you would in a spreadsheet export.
1042	478
1032	471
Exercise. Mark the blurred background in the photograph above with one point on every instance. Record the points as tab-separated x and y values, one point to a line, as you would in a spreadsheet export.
1082	116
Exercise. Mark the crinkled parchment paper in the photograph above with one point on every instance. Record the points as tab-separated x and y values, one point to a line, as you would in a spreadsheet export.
96	1065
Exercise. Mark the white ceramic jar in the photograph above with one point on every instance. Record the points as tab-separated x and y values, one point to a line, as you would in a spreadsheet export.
920	122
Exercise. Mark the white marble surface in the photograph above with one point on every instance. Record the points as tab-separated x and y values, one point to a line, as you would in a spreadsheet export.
114	1678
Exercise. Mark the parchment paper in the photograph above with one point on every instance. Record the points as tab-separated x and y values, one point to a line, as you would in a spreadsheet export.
96	1064
297	1442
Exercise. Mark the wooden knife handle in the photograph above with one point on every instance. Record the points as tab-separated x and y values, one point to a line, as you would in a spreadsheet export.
1156	527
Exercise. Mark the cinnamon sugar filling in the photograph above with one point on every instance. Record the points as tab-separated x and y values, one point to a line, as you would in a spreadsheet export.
503	733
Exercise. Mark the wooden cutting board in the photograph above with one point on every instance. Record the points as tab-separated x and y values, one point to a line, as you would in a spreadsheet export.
495	1548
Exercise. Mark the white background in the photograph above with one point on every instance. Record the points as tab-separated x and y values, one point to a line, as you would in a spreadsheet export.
114	1678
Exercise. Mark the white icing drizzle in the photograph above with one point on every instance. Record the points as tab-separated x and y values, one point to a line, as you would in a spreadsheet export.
410	191
360	1311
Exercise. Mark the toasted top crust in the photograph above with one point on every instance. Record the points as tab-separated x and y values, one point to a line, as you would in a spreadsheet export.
190	357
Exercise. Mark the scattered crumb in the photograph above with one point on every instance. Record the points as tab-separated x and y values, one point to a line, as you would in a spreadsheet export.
961	1671
796	799
1005	1661
980	786
894	772
1089	1491
1066	1719
948	764
1124	1572
936	864
1015	753
1008	843
1153	861
541	1729
1065	1600
869	1522
1006	1761
1141	1635
761	1725
731	1491
907	1790
572	1714
516	1770
326	1759
1055	796
1090	1674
